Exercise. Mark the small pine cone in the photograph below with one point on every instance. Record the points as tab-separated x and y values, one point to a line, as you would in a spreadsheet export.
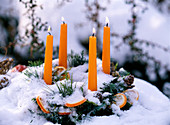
129	80
99	96
5	65
4	81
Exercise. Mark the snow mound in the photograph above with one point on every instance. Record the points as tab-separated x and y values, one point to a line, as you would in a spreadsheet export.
152	108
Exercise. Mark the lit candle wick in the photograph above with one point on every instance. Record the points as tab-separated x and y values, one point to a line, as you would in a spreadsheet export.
94	31
107	21
49	29
62	19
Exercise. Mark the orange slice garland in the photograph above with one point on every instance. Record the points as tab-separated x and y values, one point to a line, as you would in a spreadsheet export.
120	100
59	70
40	103
76	104
132	95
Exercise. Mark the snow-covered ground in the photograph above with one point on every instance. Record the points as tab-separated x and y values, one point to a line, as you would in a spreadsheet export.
152	108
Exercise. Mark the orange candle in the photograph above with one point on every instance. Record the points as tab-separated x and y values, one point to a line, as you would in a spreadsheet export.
106	48
63	45
48	59
92	75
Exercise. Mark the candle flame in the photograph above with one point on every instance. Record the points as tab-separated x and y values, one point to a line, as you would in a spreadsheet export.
62	19
49	29
107	20
94	31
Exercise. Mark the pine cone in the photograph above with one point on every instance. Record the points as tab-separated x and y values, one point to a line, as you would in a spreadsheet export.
4	81
99	96
129	80
5	65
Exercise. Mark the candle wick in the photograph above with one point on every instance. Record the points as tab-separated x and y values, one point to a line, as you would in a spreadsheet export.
63	22
49	33
93	34
107	24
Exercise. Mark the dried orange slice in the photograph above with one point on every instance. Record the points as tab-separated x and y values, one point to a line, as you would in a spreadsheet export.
132	95
40	103
63	111
74	104
120	100
60	71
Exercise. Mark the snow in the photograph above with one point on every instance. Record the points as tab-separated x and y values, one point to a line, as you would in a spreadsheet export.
166	88
91	97
75	97
155	23
152	108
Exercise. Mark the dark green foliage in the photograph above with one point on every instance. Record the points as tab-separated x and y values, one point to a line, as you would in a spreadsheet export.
111	88
76	59
66	88
35	63
118	85
123	73
114	87
88	109
95	110
63	75
127	106
85	108
83	111
30	74
56	118
34	99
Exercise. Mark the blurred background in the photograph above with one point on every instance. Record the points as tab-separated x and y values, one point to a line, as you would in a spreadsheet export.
140	32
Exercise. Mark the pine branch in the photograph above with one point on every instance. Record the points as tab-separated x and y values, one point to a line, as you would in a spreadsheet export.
30	74
66	88
35	63
76	59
